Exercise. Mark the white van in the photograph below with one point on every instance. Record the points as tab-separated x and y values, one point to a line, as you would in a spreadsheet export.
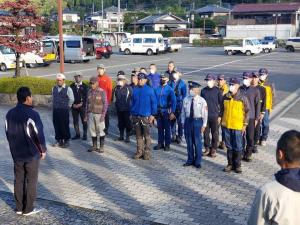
77	48
7	58
143	43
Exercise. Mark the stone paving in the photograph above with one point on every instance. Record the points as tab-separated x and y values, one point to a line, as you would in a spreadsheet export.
77	187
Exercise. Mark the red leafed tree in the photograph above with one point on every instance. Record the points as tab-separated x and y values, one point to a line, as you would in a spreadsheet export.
18	28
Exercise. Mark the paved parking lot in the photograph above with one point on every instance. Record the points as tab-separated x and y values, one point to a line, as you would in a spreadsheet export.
117	189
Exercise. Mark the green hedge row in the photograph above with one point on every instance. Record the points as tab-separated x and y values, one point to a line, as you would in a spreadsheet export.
215	42
38	86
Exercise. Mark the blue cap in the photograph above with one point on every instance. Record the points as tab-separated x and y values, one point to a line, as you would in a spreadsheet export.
247	75
142	76
233	80
193	84
255	74
221	77
263	71
210	77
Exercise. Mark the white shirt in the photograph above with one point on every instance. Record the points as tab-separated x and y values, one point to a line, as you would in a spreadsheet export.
200	108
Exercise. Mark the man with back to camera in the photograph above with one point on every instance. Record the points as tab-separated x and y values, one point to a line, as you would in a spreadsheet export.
24	132
213	97
277	202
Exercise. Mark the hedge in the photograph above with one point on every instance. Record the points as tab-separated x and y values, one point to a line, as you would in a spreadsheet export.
215	42
38	86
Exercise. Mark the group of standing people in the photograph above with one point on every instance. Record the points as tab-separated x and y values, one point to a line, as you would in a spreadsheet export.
240	111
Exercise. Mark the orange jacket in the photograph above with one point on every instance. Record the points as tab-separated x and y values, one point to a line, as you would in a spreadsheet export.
105	83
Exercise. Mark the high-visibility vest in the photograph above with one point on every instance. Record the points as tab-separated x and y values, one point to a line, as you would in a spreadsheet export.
234	114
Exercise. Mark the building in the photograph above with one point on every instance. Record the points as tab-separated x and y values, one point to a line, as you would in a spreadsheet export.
259	20
212	11
70	16
110	21
161	22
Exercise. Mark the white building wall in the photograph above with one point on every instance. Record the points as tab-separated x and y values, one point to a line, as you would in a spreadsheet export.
284	31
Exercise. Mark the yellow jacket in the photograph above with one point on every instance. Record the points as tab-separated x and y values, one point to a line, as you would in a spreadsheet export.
234	111
224	89
269	95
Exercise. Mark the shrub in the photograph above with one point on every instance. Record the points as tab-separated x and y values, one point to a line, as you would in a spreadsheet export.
215	42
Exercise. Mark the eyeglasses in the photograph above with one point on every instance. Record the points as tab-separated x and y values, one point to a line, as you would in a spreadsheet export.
91	83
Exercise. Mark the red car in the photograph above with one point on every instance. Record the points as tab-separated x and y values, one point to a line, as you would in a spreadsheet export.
103	49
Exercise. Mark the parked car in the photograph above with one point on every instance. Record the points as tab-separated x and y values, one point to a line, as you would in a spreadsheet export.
103	49
249	47
171	47
271	39
7	59
292	44
143	43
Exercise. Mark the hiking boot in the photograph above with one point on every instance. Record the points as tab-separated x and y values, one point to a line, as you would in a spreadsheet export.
207	152
138	155
222	145
238	169
158	147
228	168
213	153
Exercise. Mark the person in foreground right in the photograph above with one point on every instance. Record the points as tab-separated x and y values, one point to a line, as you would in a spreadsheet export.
278	202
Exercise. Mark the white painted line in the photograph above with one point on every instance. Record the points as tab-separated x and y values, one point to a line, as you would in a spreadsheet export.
128	64
285	105
227	63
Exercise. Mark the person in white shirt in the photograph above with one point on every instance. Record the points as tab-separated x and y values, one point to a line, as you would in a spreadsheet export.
278	202
194	117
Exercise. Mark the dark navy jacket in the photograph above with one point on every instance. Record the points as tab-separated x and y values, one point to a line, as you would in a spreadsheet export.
213	97
19	120
180	90
253	96
80	93
166	100
123	98
143	102
154	80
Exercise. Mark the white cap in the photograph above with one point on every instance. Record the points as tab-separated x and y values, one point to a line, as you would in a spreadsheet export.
60	76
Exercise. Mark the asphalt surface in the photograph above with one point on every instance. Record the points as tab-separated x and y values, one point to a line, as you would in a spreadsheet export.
195	63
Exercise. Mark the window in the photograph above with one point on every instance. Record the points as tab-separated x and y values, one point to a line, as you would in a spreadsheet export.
248	42
47	44
149	40
137	40
73	44
127	40
6	51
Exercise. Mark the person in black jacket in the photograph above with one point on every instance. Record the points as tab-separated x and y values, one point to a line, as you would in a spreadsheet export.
213	96
24	132
80	90
123	94
253	95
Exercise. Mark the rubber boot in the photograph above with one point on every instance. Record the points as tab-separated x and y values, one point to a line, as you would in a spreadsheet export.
229	166
94	146
237	161
101	149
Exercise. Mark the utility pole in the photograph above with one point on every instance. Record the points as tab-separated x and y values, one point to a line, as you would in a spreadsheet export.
61	39
102	16
119	14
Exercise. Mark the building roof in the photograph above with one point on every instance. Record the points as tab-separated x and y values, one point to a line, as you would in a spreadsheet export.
68	11
212	9
272	7
113	9
160	19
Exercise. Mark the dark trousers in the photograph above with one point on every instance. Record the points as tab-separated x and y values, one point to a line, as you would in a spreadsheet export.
179	124
193	137
265	126
142	132
25	185
234	145
257	132
213	129
164	129
248	144
75	114
61	124
106	122
124	122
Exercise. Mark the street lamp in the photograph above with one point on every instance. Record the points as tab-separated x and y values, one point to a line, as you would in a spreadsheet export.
61	40
204	17
276	15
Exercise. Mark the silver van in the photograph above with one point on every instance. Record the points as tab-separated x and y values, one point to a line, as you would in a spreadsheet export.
77	48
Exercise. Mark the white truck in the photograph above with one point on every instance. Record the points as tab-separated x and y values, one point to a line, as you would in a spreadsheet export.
267	47
171	47
249	47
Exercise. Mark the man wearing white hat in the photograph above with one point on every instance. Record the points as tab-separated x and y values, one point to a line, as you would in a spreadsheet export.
63	98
